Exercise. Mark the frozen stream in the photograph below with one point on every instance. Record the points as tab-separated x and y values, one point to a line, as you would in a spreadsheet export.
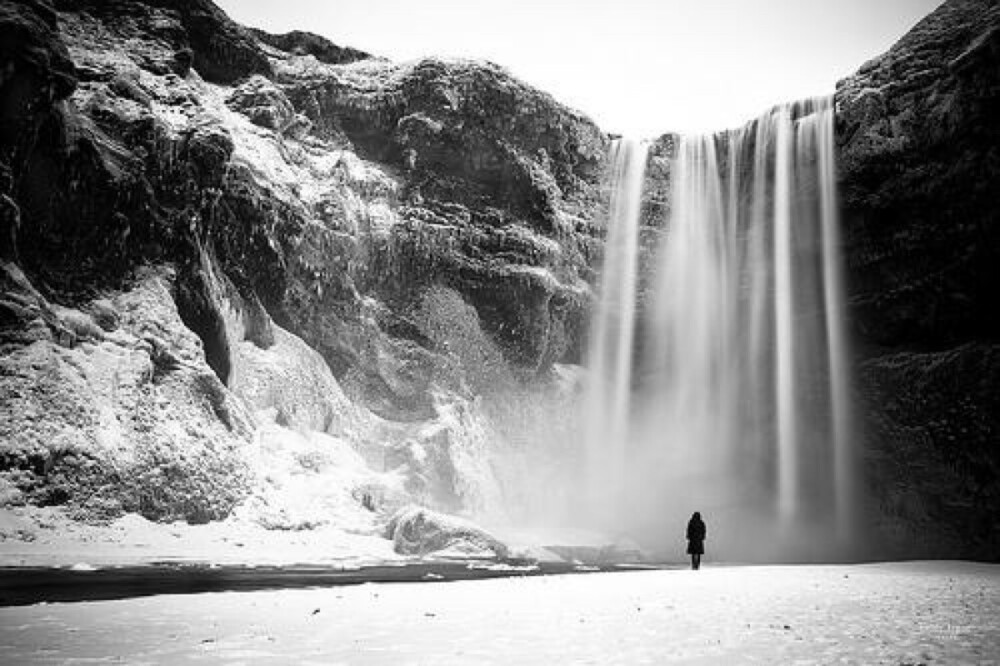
894	613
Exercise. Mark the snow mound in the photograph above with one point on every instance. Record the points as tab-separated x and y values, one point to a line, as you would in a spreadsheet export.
415	530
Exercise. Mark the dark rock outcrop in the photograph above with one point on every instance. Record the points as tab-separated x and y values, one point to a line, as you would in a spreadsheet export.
175	35
498	182
303	43
919	150
37	74
918	137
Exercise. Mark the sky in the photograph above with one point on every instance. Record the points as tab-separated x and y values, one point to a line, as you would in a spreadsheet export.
637	67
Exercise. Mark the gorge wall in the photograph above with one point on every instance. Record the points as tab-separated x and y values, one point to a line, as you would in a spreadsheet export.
203	225
224	250
919	153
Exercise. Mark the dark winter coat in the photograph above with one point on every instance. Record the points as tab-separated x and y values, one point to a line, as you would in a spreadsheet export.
696	536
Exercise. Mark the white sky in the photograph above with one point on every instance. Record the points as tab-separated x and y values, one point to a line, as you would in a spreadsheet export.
637	67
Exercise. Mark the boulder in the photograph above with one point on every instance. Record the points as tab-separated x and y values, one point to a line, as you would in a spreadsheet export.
415	530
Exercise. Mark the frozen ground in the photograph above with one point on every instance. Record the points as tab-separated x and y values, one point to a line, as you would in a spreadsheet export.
895	613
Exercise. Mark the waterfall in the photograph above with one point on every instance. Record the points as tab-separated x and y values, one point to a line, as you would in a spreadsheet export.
610	359
735	403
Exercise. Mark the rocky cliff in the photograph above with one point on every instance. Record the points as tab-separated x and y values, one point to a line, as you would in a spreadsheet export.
212	235
919	151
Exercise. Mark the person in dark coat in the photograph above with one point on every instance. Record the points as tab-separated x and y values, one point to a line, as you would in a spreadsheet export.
696	540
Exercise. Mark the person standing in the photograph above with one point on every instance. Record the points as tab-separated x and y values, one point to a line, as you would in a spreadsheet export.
696	540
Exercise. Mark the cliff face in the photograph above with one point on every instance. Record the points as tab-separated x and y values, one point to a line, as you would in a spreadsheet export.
183	197
919	149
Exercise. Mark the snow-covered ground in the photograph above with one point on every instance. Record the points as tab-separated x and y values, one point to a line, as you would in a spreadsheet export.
894	613
47	537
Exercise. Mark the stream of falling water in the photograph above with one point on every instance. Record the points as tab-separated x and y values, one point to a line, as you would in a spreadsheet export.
736	401
610	361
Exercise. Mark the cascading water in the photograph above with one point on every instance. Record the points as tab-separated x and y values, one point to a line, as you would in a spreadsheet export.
610	361
739	403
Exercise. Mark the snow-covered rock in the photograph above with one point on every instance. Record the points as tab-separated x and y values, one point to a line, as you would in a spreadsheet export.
313	480
415	530
131	419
